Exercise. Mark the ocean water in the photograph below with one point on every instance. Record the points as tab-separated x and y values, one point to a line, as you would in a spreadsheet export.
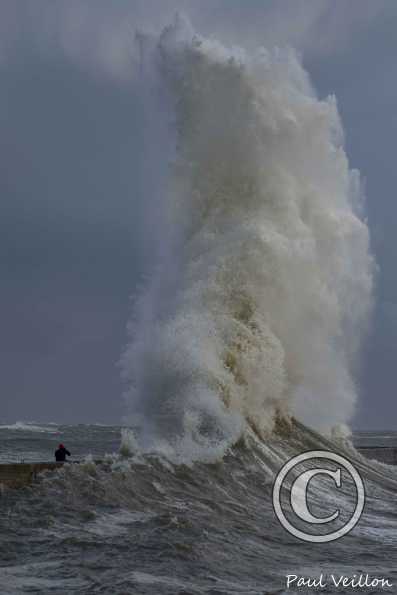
252	317
140	524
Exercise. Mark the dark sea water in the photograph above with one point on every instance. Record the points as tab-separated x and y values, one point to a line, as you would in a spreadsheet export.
142	525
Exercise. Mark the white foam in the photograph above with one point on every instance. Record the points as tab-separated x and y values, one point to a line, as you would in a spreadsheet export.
118	523
264	282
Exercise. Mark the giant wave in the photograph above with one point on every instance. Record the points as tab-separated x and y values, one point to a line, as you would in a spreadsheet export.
263	287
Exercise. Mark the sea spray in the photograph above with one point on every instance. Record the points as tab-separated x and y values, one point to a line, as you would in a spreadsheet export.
265	283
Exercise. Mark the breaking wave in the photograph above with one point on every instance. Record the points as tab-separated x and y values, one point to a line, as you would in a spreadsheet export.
263	287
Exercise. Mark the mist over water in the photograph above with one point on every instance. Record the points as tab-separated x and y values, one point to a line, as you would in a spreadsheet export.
264	281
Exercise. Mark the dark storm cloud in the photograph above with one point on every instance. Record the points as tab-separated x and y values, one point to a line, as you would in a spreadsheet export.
72	248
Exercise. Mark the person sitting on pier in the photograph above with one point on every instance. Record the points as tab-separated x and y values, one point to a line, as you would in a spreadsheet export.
60	453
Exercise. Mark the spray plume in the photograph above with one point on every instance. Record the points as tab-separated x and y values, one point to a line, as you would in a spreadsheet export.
264	280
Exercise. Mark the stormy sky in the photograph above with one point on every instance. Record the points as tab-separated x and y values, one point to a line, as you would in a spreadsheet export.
74	236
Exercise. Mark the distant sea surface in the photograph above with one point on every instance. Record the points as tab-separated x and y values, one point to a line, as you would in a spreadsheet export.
31	441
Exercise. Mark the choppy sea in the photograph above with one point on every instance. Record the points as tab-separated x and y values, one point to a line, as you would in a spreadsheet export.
143	525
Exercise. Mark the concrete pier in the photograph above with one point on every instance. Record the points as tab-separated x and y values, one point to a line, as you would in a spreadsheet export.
18	475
